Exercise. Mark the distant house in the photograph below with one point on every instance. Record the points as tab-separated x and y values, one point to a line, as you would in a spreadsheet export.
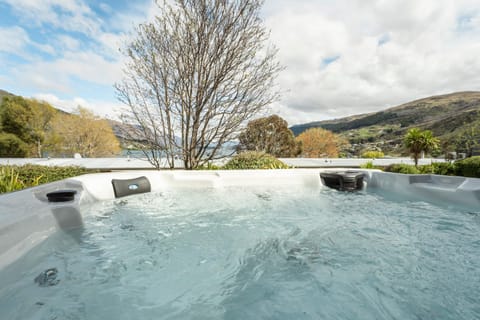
476	151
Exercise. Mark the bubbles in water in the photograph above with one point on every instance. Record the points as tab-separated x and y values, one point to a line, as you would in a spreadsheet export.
239	253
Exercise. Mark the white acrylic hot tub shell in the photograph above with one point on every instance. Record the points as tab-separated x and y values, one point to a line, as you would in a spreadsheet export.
27	218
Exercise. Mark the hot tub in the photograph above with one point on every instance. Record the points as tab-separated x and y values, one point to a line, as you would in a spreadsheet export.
274	244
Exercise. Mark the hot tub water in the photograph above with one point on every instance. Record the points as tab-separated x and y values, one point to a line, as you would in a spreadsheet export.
254	253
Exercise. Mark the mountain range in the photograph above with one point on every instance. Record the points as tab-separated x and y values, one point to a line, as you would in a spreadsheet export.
447	116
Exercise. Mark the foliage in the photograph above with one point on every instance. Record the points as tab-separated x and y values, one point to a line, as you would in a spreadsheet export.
9	180
447	148
417	141
12	146
370	165
414	142
441	168
373	154
194	75
27	119
444	168
44	174
348	124
367	165
18	177
209	166
469	167
3	94
446	116
426	169
318	143
468	140
254	160
402	168
82	133
270	135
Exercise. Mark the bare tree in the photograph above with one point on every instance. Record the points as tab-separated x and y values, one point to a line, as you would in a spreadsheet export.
195	75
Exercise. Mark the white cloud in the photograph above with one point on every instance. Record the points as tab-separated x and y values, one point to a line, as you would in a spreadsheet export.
17	42
342	57
70	15
110	44
137	12
384	53
60	75
93	57
67	43
107	109
17	39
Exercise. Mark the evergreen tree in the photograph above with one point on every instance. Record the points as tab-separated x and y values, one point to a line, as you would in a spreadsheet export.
29	120
270	135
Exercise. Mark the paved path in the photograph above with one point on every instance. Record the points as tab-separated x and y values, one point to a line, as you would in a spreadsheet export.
139	163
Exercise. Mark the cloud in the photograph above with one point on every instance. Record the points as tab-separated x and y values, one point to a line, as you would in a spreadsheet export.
17	42
349	57
17	39
107	109
71	42
61	75
70	15
67	43
342	57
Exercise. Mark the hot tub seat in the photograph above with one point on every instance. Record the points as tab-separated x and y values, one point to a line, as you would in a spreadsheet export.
343	180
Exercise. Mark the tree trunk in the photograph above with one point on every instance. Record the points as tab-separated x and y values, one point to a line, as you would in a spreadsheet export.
39	148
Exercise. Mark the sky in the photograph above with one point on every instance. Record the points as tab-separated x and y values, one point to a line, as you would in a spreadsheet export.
341	57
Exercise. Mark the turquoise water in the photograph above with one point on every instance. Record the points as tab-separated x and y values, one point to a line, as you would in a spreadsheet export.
255	253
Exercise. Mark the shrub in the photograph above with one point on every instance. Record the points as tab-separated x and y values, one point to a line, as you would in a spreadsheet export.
373	154
426	169
18	177
469	167
208	166
444	168
319	143
12	146
402	168
43	174
9	180
271	135
368	165
254	160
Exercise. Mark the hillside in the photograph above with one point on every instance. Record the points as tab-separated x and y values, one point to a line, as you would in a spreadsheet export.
446	115
4	93
125	134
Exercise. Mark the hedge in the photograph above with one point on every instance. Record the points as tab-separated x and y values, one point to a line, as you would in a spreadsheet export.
373	154
14	178
254	160
402	168
469	167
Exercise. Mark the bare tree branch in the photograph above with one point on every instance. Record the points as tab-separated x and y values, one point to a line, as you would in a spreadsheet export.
195	75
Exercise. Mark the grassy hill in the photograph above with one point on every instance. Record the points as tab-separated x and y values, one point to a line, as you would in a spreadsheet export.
446	115
4	93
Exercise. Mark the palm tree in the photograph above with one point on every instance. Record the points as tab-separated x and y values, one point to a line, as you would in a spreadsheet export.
418	141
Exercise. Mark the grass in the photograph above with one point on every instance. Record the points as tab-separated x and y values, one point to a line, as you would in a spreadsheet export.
13	178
